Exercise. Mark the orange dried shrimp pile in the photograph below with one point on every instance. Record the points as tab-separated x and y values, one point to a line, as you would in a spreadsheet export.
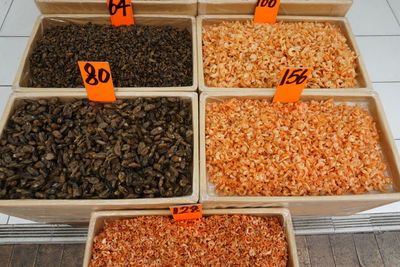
247	54
256	148
219	240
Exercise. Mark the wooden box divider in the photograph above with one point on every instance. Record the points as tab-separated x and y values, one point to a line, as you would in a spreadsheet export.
78	210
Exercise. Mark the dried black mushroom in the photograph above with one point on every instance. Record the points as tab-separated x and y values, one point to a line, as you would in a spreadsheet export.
134	148
139	56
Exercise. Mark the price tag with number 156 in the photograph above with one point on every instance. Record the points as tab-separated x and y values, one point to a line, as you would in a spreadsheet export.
291	84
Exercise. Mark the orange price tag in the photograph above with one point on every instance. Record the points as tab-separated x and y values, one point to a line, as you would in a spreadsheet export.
186	212
291	84
98	81
120	12
266	11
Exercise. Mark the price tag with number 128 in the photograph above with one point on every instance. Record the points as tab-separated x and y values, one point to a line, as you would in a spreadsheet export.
291	84
186	212
98	81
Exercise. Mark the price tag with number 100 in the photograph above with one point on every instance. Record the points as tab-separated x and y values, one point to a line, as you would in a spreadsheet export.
98	81
291	84
120	12
266	11
186	212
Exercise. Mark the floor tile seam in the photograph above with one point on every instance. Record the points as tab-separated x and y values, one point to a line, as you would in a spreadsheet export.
5	17
394	14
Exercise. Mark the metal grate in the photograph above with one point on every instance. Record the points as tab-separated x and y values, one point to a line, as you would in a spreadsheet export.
347	224
59	233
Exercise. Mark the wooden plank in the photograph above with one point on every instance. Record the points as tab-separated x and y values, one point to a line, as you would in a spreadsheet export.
5	254
367	250
177	7
302	251
72	255
337	8
24	255
49	255
344	250
319	249
389	247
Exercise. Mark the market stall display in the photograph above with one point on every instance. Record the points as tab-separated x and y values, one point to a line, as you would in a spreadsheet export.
139	152
58	42
226	236
236	54
330	149
249	163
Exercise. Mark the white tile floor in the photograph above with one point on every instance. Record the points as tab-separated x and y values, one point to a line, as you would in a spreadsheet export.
376	23
20	18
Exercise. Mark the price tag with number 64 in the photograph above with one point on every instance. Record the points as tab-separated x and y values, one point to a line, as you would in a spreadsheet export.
120	12
291	84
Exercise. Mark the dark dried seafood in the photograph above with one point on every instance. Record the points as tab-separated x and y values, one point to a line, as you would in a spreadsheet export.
136	148
139	56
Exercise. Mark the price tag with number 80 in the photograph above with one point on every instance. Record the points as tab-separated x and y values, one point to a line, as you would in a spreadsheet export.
98	80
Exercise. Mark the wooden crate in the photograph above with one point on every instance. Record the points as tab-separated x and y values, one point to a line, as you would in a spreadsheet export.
78	211
158	7
309	205
336	8
98	218
363	81
45	21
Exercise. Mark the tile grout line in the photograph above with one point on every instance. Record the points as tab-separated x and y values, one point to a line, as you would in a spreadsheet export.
332	252
379	249
11	256
5	17
13	36
394	14
377	35
36	255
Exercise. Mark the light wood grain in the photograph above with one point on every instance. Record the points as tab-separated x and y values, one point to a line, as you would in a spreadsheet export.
287	7
45	21
98	218
389	247
344	250
320	251
160	7
78	211
363	81
367	250
309	205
